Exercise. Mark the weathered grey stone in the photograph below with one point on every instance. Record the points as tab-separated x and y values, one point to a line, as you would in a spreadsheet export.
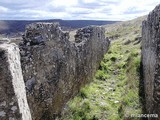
12	88
151	61
59	67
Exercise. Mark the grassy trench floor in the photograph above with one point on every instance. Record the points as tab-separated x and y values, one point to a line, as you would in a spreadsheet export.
114	93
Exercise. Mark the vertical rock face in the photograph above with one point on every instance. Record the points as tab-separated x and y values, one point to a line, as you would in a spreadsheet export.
13	101
54	68
151	60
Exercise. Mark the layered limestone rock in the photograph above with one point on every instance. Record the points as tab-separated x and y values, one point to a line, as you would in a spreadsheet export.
13	101
54	68
151	61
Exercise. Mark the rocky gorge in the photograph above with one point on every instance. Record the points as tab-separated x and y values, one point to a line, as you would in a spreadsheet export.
41	74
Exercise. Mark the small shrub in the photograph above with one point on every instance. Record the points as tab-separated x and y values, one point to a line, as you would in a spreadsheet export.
113	59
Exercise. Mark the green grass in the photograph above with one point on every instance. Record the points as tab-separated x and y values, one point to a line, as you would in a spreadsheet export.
114	93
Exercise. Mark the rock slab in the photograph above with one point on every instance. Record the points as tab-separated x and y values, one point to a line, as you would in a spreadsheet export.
54	68
151	61
13	100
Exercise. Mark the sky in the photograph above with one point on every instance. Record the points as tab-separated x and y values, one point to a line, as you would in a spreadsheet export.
120	10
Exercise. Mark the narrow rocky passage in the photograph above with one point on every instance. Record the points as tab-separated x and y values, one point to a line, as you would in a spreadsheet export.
114	94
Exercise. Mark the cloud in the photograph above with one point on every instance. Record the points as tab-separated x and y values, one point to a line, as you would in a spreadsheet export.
42	14
75	9
63	3
3	9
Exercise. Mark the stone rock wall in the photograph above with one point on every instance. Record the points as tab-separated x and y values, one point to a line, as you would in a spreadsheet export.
151	61
13	100
54	68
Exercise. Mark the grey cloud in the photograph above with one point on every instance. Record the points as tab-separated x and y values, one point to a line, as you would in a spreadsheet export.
55	9
16	14
93	5
96	4
31	9
23	4
15	8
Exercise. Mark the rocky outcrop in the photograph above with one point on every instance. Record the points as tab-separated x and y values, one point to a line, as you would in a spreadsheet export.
151	61
48	71
54	69
13	101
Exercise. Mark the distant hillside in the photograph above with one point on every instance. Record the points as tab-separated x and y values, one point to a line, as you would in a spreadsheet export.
14	26
124	29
